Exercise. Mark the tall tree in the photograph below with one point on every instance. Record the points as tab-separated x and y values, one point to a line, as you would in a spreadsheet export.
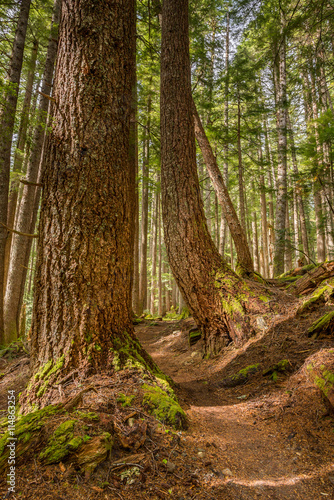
216	296
82	307
7	120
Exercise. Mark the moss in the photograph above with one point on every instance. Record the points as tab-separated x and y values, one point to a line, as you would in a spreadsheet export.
125	400
231	306
42	389
87	415
264	298
61	443
27	425
315	297
241	377
320	325
194	336
164	406
44	370
97	347
281	366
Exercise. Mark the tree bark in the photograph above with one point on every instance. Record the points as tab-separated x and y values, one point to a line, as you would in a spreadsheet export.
144	214
211	290
281	199
82	313
244	257
20	244
7	120
19	153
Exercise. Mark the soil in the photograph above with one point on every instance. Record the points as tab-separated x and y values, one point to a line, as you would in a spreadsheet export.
271	437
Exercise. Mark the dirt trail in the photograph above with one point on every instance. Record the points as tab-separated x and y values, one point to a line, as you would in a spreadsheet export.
265	439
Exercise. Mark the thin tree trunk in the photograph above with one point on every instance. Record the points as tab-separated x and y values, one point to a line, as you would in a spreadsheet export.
154	240
281	201
19	153
144	214
7	120
240	172
20	243
244	258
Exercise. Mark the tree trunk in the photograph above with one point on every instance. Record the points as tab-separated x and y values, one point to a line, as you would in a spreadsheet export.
238	233
281	200
20	243
144	214
242	211
19	153
154	240
223	223
7	120
211	290
82	313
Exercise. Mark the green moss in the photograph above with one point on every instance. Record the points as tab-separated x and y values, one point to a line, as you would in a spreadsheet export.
249	369
194	336
281	366
27	425
60	443
125	400
321	324
241	377
97	347
163	406
87	415
264	298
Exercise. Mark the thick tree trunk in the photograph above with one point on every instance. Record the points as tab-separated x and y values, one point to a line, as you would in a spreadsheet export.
82	314
215	295
238	233
7	120
20	244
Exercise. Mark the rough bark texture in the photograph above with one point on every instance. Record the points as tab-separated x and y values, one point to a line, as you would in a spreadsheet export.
7	120
217	297
20	244
238	234
82	309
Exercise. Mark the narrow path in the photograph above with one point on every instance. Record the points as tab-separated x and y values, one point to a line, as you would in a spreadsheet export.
258	440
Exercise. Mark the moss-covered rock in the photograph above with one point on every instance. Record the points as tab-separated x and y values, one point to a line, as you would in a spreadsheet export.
164	406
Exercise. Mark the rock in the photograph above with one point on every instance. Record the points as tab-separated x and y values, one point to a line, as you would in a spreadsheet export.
201	454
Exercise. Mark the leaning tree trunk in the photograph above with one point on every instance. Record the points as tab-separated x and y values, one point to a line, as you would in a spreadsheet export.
217	297
82	312
7	120
245	262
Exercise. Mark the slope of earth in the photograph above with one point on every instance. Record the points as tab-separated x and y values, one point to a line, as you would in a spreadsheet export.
257	428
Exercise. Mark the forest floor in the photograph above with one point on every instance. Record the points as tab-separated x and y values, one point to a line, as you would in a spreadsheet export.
269	438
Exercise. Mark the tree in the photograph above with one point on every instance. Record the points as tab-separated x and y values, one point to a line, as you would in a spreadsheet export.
7	120
82	307
217	297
